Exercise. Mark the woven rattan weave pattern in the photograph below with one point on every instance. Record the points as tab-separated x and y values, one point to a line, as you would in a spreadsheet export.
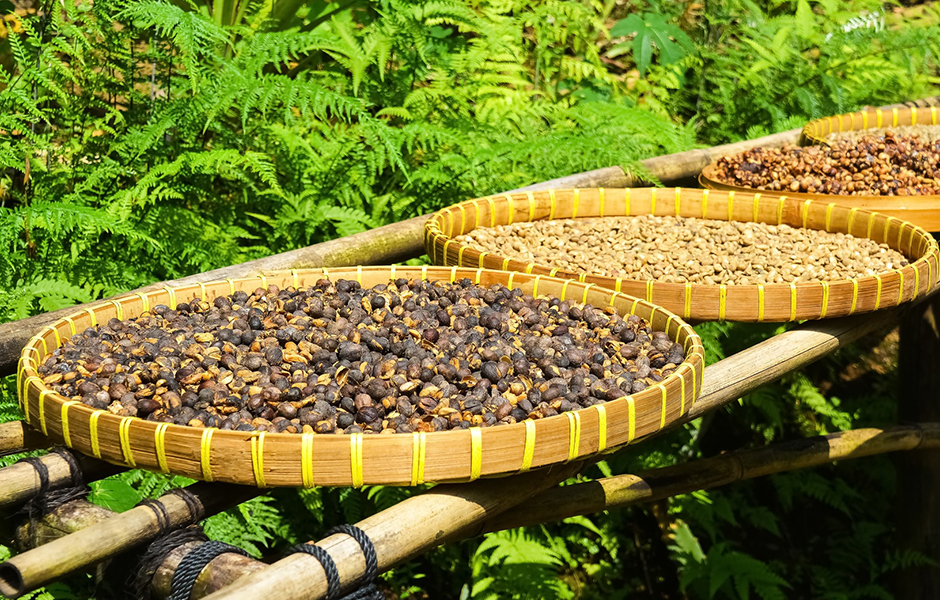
771	302
266	459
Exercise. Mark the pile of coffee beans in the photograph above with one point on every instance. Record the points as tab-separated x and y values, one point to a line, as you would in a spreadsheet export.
339	358
687	249
864	165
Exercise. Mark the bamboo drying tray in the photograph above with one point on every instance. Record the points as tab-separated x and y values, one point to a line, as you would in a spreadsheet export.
770	302
920	210
267	460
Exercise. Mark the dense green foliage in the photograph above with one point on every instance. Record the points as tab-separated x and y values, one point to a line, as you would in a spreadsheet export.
148	140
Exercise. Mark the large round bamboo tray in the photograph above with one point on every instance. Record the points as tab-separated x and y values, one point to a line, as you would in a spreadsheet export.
267	460
923	211
771	302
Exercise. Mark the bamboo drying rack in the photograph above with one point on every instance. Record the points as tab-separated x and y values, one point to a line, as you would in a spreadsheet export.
769	302
268	460
920	210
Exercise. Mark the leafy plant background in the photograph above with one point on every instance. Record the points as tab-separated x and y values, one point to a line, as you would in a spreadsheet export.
149	140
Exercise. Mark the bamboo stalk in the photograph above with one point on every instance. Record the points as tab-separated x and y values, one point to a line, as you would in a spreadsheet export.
657	484
404	240
20	481
298	577
15	436
112	536
68	518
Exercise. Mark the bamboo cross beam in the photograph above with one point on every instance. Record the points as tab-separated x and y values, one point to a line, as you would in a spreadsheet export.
466	507
657	484
15	436
110	537
20	482
404	240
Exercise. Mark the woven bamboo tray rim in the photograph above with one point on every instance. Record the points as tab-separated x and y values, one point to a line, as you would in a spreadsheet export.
754	303
923	210
283	459
815	131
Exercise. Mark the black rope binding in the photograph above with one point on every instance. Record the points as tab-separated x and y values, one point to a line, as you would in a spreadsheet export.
138	585
368	589
188	570
46	501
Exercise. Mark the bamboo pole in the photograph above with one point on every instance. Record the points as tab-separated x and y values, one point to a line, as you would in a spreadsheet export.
657	484
404	240
20	481
298	577
15	436
68	518
107	538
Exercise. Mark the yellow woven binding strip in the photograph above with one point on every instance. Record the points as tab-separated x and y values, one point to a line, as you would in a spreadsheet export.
618	283
574	434
825	299
913	115
58	338
864	119
205	447
933	115
125	434
631	419
678	200
730	206
93	316
780	204
418	450
694	382
929	275
582	277
529	449
118	310
682	394
916	282
564	288
551	198
391	274
531	198
535	286
649	290
478	276
476	453
633	309
529	267
669	323
293	273
326	274
424	272
42	410
511	275
231	285
900	284
159	445
722	301
584	296
453	274
576	193
463	218
687	312
854	296
878	292
600	196
482	254
792	301
756	207
306	458
505	266
71	325
359	267
144	302
760	303
626	205
257	457
704	202
172	293
652	201
829	208
662	420
871	223
894	119
851	219
26	394
511	201
45	349
93	432
806	212
66	436
492	204
355	458
202	291
601	427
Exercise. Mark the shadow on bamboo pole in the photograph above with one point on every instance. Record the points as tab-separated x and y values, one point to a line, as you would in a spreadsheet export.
299	576
404	240
657	484
107	538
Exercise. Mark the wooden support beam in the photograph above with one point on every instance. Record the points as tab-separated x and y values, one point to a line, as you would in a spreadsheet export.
110	537
20	482
15	437
626	490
